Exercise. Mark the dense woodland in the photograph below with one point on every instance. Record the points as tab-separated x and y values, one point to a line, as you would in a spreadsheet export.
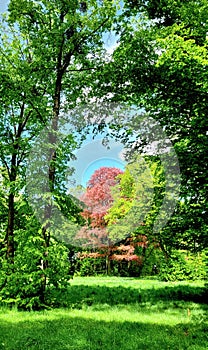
53	60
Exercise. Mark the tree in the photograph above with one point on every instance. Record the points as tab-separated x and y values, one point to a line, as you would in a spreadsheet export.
98	199
160	65
65	44
48	58
125	257
133	199
22	111
115	214
137	202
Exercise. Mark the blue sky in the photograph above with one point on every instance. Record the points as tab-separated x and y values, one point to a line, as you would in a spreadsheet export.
92	156
3	5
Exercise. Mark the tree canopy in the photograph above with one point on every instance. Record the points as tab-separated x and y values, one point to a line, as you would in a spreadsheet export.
160	66
54	58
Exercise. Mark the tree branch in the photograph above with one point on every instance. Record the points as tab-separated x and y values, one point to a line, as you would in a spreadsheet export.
4	161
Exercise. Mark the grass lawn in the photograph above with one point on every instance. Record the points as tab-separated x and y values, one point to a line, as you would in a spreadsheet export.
113	314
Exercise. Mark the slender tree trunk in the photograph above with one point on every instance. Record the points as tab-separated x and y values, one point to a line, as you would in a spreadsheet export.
9	239
51	177
10	230
62	65
108	263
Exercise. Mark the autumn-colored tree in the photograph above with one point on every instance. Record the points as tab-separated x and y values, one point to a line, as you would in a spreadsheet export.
130	252
98	197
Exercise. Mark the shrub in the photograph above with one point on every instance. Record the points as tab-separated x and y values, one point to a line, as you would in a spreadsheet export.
22	283
90	266
181	266
152	261
204	256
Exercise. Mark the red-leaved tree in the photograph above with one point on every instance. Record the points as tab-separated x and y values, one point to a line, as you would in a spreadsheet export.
98	198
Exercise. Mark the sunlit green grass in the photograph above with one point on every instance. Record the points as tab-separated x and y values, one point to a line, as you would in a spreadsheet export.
130	282
113	313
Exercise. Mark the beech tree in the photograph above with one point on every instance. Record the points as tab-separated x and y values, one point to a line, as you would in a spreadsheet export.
57	47
67	39
98	199
22	111
137	201
160	65
110	195
133	200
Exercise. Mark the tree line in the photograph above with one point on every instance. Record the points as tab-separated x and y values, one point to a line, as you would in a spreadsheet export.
52	52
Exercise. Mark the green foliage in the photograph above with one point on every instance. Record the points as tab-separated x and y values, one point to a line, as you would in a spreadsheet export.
90	266
150	266
21	283
181	266
132	200
204	256
160	66
97	267
3	205
48	52
152	261
125	268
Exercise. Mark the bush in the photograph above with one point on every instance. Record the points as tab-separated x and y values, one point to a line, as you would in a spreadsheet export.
204	256
181	266
23	283
90	266
152	260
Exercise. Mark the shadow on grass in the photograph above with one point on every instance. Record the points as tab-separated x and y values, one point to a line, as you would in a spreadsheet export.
79	295
77	333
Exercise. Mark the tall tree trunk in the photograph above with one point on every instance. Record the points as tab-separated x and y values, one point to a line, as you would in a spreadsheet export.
10	230
51	177
9	239
62	65
108	263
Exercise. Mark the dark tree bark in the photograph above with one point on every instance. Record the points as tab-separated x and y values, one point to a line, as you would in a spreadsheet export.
9	239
